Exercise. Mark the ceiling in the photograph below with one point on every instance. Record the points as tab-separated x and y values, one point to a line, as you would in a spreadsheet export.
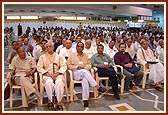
89	10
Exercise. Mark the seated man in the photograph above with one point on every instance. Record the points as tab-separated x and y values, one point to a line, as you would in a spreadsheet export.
22	68
88	48
144	55
80	64
50	74
67	50
39	50
104	63
124	59
13	53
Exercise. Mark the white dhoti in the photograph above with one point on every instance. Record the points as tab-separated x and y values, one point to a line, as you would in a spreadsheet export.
58	87
87	80
156	72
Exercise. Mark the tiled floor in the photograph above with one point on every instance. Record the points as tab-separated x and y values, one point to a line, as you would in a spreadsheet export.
140	100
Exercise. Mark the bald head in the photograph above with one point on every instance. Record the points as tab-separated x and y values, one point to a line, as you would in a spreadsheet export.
68	44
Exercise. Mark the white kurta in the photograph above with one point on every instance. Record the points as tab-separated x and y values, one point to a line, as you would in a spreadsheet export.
89	52
111	52
131	51
156	70
45	64
66	52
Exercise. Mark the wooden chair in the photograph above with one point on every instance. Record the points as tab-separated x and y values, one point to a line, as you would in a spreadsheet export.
72	82
42	87
14	87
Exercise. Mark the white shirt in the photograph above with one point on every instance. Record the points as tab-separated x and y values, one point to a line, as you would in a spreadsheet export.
137	46
64	52
59	48
131	51
111	52
158	50
89	51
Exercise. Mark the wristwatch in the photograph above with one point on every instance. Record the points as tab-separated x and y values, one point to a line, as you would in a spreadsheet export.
60	73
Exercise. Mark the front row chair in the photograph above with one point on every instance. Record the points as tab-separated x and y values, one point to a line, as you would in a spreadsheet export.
116	67
14	87
72	82
42	88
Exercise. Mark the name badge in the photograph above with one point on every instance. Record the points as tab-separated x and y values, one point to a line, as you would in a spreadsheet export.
105	63
80	62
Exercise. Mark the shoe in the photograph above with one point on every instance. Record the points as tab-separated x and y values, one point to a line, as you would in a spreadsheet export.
86	104
25	109
102	89
119	76
117	96
132	84
158	88
134	88
59	108
50	106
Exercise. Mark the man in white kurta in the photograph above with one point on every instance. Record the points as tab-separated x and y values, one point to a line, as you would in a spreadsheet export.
39	50
145	54
111	50
88	48
45	66
130	48
67	50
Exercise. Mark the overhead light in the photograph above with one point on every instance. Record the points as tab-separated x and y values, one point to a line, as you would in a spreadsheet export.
43	11
32	11
22	10
11	11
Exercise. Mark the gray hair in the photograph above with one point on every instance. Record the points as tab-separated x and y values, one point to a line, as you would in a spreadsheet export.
143	41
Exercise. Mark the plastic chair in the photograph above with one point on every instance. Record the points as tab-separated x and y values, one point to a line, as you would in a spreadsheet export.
14	87
72	82
42	88
116	67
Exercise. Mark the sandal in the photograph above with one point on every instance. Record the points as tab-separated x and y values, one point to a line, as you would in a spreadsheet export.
59	108
50	106
158	88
